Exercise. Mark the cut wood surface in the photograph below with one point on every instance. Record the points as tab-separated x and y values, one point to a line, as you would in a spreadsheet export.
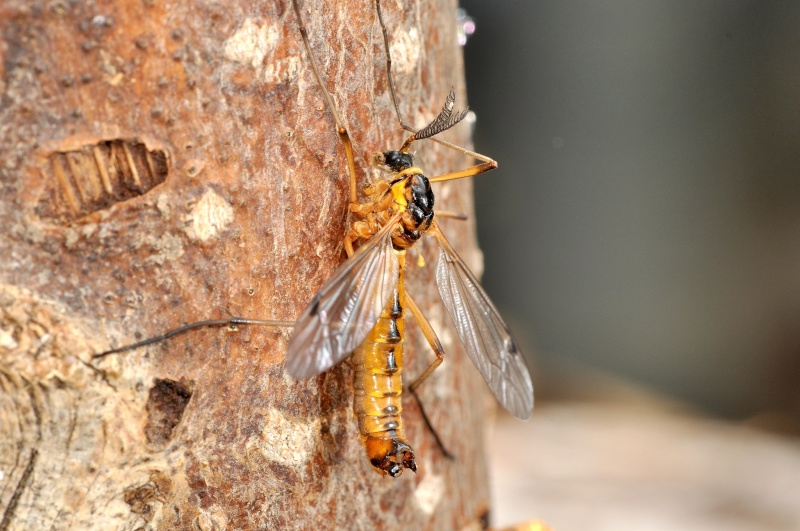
163	163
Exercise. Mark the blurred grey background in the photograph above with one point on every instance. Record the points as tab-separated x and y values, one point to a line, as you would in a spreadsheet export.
645	218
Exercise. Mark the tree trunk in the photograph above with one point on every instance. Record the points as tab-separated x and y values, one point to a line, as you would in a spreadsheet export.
162	165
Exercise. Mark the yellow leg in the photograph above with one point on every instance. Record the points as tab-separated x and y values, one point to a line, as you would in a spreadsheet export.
348	245
469	172
436	346
430	336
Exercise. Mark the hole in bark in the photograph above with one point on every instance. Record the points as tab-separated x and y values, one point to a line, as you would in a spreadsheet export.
93	177
165	407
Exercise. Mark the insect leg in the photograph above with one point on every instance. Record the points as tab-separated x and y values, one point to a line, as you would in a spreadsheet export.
348	245
230	321
487	163
433	341
341	130
469	172
451	215
436	346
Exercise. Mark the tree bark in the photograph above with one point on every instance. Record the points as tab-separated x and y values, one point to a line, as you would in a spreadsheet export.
163	164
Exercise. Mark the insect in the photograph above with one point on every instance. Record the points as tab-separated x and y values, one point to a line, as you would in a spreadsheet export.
361	310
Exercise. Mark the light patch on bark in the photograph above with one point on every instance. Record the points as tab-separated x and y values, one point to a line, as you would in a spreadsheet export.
285	441
209	217
429	492
213	519
283	69
251	43
406	50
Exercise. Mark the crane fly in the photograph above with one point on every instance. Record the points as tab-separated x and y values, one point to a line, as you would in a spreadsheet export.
360	311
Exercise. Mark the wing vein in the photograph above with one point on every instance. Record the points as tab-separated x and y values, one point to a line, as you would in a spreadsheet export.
346	308
486	337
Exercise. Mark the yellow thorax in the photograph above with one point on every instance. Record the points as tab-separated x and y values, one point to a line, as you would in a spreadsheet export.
399	188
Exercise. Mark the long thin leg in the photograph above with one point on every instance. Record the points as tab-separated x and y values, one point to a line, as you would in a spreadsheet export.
430	336
230	321
436	346
488	163
469	172
344	137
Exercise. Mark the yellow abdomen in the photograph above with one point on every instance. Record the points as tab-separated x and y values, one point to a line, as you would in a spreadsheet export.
378	366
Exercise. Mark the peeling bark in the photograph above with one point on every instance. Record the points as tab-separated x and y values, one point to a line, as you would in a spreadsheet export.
163	164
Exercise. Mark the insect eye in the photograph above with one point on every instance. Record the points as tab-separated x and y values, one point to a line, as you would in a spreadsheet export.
397	160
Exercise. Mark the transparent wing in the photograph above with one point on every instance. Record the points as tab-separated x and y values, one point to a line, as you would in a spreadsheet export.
483	332
345	309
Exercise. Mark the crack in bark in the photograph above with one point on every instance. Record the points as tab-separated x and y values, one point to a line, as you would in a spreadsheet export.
8	514
29	388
